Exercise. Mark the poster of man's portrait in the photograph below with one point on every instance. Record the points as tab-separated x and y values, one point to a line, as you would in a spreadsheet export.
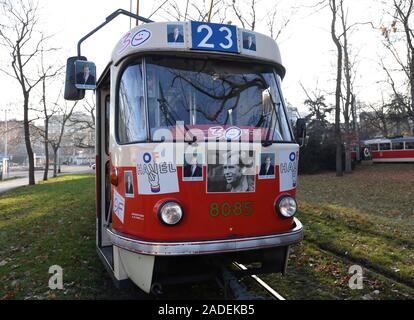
267	166
231	171
193	167
175	34
85	75
129	184
249	41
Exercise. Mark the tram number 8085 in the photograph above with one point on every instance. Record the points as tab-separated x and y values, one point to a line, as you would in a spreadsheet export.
226	209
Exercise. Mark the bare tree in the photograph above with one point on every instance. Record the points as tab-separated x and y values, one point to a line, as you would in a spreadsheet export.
86	119
402	15
338	93
84	124
345	102
197	10
175	11
375	119
48	111
276	23
222	11
347	99
19	36
400	107
64	114
247	17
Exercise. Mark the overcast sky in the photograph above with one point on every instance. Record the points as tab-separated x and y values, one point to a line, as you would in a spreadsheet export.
306	45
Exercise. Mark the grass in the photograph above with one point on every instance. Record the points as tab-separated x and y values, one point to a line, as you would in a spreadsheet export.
365	218
51	224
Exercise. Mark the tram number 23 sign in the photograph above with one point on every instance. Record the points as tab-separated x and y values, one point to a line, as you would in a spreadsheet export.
226	209
214	37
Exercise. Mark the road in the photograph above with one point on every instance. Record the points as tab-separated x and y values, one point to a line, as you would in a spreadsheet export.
22	179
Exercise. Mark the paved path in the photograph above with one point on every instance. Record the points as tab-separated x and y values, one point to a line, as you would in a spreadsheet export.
20	182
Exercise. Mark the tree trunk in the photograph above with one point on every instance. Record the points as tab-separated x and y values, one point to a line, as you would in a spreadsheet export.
338	138
348	157
46	172
348	93
46	137
412	86
28	142
55	152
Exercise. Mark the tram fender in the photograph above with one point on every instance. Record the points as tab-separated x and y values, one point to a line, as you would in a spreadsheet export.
138	267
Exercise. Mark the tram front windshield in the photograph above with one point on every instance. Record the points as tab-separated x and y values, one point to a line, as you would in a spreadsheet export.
201	93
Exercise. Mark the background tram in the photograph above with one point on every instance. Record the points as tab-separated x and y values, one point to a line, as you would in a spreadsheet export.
196	161
391	150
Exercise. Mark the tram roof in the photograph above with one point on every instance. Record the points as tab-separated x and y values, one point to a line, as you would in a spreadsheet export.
153	38
376	141
388	140
404	139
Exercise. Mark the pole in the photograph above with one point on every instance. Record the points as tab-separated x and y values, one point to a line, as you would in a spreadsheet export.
130	10
211	9
6	135
137	11
90	153
186	11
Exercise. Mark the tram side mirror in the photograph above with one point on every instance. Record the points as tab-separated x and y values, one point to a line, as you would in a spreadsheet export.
301	131
71	91
80	76
266	102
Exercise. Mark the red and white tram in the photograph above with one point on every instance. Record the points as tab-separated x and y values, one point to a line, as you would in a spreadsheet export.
391	150
196	160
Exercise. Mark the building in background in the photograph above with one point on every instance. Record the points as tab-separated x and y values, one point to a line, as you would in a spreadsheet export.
77	146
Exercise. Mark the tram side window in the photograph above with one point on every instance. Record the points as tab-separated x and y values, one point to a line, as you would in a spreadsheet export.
373	147
397	145
283	125
385	146
409	145
131	112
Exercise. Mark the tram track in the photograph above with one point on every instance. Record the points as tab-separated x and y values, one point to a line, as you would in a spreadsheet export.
364	264
261	283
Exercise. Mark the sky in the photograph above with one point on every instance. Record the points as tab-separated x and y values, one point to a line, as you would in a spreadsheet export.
306	45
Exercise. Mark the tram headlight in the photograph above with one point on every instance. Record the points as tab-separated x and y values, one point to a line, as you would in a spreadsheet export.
170	213
286	207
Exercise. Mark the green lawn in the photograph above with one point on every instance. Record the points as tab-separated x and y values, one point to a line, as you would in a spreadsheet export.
365	218
53	223
50	224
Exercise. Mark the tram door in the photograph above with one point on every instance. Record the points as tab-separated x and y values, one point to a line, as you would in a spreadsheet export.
103	187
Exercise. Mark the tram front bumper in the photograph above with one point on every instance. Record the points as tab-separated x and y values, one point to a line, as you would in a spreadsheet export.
283	239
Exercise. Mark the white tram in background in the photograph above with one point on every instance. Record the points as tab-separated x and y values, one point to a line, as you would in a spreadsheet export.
196	161
400	149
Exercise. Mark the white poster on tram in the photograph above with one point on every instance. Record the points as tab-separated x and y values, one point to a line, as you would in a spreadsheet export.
155	177
119	206
288	169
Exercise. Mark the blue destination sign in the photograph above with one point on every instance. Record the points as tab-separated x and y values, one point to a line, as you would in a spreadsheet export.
214	37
